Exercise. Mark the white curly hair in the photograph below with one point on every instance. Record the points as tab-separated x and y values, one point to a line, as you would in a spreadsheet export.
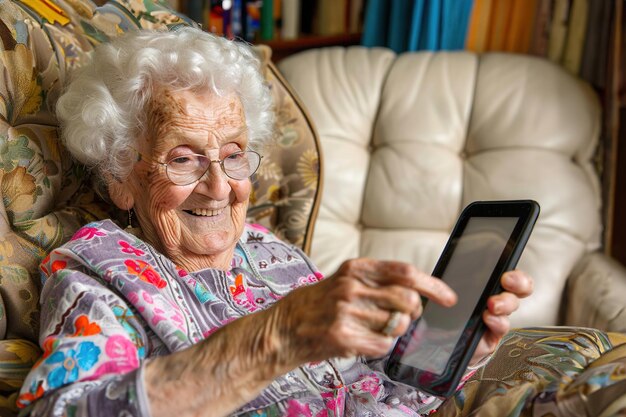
103	109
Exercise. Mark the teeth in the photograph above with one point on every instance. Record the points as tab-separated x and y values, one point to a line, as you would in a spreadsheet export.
205	212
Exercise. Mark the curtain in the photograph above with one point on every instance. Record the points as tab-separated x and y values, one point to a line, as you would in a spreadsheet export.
412	25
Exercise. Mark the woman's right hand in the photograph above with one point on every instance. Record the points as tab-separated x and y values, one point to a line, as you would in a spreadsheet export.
341	316
345	314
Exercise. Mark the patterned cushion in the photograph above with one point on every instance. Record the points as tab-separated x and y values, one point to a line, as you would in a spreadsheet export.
46	196
554	372
17	356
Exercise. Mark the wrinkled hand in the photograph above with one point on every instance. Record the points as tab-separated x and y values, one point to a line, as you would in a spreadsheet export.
516	285
344	315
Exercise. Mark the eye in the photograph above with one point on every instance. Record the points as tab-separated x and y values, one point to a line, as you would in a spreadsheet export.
183	160
235	156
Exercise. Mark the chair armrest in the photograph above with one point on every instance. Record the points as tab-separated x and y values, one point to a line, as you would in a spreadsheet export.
17	356
547	371
596	294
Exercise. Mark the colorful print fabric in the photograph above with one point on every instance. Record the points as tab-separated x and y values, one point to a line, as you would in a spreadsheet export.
110	301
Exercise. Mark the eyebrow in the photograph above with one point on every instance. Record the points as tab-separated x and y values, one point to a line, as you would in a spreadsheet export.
240	132
181	134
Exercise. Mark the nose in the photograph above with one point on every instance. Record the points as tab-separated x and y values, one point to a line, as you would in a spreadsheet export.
214	183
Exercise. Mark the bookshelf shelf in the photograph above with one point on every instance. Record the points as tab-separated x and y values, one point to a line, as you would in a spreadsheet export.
282	48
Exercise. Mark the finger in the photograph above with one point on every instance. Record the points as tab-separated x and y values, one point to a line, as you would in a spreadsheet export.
503	304
377	273
374	345
498	325
396	324
486	346
346	339
518	282
394	298
378	322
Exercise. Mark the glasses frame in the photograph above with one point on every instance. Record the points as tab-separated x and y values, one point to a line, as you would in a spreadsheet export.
211	161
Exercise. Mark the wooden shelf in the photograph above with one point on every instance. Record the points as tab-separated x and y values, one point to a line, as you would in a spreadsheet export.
282	48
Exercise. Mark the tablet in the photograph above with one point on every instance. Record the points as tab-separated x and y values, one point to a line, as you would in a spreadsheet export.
487	241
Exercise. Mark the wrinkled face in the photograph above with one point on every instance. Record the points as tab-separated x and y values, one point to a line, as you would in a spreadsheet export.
197	225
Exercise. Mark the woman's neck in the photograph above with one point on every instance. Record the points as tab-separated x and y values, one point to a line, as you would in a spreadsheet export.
193	262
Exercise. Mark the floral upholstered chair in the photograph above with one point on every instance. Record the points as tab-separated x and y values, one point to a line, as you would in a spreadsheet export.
46	196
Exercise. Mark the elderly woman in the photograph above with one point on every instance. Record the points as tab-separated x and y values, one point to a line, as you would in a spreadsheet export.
183	320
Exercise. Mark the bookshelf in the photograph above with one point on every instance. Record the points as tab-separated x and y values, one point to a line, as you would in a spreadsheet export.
282	48
286	26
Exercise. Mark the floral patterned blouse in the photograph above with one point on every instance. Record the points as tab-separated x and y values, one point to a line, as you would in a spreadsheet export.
110	301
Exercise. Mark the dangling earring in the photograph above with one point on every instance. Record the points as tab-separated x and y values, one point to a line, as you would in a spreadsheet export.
129	226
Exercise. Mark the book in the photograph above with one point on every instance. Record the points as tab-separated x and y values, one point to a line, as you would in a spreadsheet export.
290	19
277	16
227	28
479	26
267	20
575	42
214	16
330	17
355	16
307	11
195	11
541	28
252	19
595	53
237	19
558	30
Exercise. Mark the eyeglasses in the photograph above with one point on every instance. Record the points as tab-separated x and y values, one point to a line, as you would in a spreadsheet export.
187	169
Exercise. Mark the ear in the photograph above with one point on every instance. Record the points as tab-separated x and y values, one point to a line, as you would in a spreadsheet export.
120	192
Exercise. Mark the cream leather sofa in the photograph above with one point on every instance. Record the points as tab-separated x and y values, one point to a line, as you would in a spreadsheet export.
409	140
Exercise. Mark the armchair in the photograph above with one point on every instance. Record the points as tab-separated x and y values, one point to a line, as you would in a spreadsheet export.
410	139
46	197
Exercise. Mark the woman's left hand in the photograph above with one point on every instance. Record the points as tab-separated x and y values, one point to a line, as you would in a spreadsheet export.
516	285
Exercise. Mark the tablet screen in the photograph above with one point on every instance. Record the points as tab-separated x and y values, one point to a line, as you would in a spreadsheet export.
475	255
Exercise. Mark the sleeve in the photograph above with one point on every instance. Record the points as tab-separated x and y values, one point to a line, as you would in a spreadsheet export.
93	346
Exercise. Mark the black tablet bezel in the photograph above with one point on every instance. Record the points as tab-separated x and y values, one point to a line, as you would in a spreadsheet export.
446	383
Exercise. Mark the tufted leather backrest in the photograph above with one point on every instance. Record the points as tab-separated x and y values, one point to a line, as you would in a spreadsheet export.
411	139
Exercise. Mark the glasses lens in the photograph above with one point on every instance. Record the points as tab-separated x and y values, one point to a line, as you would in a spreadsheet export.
187	169
241	165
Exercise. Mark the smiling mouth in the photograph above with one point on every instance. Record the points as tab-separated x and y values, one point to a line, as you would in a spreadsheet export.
204	212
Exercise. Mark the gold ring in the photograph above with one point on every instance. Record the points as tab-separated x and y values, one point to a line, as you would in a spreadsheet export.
392	323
